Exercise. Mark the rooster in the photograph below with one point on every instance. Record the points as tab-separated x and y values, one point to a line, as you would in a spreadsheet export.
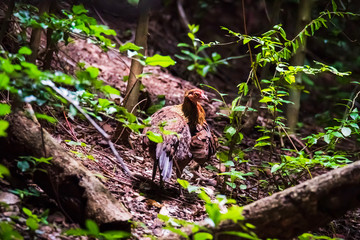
187	137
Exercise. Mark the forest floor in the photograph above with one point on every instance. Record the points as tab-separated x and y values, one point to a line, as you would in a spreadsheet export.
143	199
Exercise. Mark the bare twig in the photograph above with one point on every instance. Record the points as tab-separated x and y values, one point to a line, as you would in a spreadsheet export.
65	129
70	129
105	23
132	110
348	110
92	122
182	14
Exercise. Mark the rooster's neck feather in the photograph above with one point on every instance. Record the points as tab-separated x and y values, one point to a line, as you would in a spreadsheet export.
194	112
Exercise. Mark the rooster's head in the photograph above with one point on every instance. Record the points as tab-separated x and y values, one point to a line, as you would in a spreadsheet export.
196	95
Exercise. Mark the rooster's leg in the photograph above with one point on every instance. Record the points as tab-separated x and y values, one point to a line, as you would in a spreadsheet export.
178	175
154	170
161	178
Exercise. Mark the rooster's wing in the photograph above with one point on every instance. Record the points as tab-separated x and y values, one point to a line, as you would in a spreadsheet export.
175	146
203	144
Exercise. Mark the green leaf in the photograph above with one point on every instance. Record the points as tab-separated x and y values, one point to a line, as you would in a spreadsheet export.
239	108
73	143
4	171
337	134
233	213
27	212
246	40
184	45
211	168
213	211
43	160
129	46
133	2
176	231
79	9
276	167
334	6
202	195
237	174
92	227
8	232
93	71
327	138
154	108
4	109
23	165
354	115
191	36
46	117
229	163
130	117
163	217
4	80
72	111
243	88
231	184
346	131
110	90
222	156
103	102
230	130
262	144
31	69
266	99
290	78
241	235
116	234
155	137
76	232
7	66
32	224
3	126
25	51
158	60
185	184
262	138
202	236
243	187
192	188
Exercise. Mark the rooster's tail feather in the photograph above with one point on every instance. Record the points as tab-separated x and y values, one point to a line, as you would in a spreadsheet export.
165	162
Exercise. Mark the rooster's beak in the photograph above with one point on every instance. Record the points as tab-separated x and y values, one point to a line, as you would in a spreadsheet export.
204	97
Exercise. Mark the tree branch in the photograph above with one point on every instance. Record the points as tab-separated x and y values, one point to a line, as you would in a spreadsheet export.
92	122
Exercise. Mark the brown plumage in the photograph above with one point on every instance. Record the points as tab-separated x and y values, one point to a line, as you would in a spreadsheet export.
193	138
203	145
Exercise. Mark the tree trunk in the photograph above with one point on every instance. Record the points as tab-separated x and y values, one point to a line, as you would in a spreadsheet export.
254	99
79	194
296	210
36	32
304	207
304	17
50	45
133	86
5	23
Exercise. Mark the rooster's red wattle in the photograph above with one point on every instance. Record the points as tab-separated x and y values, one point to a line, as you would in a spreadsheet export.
193	138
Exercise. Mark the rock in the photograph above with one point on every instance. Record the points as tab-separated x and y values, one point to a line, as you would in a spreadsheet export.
9	198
